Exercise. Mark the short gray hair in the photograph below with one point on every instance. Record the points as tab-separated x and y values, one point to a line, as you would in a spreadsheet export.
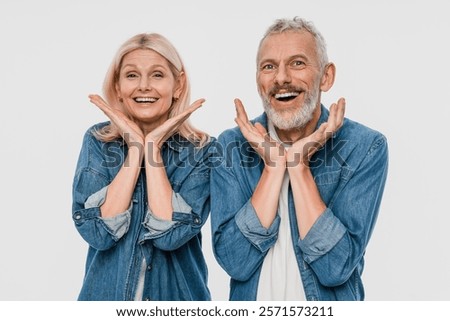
299	24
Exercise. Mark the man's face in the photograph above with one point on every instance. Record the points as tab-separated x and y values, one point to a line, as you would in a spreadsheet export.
288	78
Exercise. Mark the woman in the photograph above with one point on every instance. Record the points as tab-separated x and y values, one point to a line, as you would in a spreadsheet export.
141	187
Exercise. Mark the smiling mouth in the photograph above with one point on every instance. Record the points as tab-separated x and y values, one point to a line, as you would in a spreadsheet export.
286	96
143	100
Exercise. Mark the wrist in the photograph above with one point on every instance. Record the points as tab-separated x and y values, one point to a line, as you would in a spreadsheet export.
135	154
300	170
152	153
275	167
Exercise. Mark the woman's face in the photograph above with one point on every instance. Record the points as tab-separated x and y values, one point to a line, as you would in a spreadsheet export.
147	87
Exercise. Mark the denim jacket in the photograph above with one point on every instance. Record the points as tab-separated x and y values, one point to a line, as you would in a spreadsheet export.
136	246
350	172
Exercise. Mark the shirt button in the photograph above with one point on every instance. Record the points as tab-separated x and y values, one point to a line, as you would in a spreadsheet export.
77	217
196	221
149	267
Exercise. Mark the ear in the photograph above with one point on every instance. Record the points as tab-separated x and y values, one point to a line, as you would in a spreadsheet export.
179	85
328	76
118	91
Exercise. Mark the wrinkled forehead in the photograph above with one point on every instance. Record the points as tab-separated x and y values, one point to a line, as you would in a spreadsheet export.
287	44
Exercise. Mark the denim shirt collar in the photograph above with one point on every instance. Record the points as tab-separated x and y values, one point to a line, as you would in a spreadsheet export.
177	142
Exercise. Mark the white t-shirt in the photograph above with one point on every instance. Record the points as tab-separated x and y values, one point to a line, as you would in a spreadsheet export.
280	277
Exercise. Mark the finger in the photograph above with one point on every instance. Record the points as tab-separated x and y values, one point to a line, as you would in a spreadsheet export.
318	139
260	128
248	130
117	117
340	112
172	124
187	113
195	105
169	127
337	115
103	106
98	101
242	115
240	110
322	133
179	119
241	124
331	121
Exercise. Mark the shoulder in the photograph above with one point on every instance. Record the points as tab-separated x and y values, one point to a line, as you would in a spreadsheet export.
358	134
229	135
356	142
94	145
90	132
97	126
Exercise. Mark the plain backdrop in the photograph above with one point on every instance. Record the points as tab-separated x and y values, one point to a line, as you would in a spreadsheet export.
392	61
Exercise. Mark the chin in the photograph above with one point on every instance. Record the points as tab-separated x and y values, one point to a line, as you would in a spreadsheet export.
292	118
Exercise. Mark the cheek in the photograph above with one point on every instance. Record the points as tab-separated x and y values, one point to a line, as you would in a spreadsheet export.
165	89
124	89
263	85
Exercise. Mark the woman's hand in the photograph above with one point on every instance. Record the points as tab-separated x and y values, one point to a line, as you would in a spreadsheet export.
129	130
161	133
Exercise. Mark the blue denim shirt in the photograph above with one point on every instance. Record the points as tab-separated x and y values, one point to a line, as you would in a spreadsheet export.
350	173
175	268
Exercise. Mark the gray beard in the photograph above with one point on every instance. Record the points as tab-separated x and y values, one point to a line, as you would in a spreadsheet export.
294	117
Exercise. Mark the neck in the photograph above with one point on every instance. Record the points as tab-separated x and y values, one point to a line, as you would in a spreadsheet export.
290	136
149	127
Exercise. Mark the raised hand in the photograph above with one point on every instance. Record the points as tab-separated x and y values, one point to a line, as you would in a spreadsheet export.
161	133
272	152
129	130
159	189
302	150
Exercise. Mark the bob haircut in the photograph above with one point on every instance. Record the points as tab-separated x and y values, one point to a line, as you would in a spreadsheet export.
162	46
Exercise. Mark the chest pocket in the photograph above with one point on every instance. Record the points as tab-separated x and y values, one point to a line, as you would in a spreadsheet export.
328	182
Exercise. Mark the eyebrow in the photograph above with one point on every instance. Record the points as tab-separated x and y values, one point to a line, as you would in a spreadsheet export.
273	61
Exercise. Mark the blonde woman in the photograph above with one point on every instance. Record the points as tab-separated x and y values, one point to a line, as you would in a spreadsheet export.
141	187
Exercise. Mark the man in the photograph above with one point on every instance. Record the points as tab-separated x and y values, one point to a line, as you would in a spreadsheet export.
296	197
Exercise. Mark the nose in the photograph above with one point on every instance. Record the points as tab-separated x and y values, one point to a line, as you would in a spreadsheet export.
144	84
282	75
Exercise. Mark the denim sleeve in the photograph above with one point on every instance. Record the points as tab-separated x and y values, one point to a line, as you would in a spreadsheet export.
156	226
240	242
90	179
338	239
250	226
117	225
191	205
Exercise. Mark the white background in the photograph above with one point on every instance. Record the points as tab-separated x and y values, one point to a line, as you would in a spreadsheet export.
392	61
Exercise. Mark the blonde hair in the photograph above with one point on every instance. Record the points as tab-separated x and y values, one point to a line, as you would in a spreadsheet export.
162	46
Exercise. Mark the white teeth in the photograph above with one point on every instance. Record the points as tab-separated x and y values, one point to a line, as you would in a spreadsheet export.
285	95
145	99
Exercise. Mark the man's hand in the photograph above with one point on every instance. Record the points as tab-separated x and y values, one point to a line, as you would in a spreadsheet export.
301	151
272	152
